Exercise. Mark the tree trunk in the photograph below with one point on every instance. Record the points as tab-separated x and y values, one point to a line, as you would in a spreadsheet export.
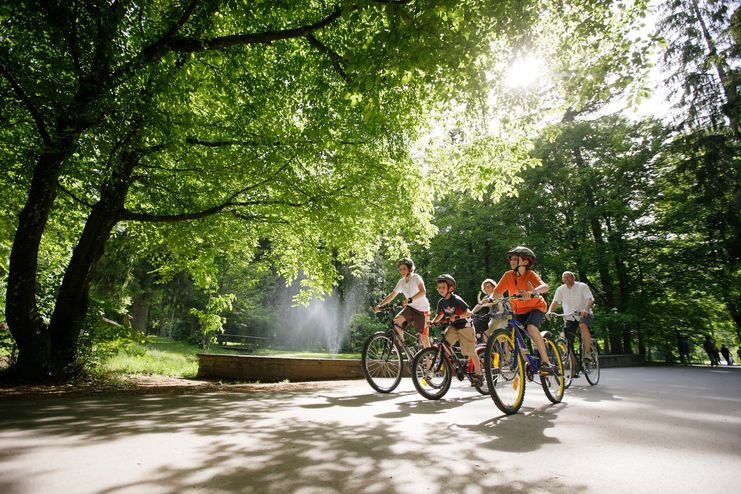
71	305
24	321
602	258
72	301
730	90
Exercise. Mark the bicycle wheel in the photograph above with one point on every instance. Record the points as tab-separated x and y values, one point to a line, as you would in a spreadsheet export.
553	385
381	362
431	373
569	362
591	365
504	371
484	388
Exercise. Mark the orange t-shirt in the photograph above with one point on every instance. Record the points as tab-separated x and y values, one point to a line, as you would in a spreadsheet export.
528	281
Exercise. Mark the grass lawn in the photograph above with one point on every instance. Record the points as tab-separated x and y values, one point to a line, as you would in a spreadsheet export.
166	357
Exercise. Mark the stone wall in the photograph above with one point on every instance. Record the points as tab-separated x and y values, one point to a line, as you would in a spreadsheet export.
276	369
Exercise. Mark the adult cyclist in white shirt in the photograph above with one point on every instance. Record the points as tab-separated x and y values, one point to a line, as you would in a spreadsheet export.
575	296
416	306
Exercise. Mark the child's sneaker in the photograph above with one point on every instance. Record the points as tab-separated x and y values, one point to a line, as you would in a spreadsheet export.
477	381
547	370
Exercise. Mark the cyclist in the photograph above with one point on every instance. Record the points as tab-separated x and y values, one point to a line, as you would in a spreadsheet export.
575	296
530	309
495	319
416	306
455	309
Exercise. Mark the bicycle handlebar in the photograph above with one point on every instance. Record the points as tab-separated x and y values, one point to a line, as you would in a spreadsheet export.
575	313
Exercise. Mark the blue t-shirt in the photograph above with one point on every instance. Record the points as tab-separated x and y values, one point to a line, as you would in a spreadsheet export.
453	305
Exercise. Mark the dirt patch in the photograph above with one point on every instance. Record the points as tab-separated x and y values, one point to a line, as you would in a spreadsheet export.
142	384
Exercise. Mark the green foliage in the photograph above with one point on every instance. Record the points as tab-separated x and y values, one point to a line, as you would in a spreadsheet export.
210	320
363	325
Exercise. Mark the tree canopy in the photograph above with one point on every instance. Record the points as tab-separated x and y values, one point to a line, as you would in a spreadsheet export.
285	134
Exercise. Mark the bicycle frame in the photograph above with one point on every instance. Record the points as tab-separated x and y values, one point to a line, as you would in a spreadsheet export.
520	346
462	369
401	339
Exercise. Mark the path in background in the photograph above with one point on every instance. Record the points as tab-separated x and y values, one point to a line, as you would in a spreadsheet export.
640	430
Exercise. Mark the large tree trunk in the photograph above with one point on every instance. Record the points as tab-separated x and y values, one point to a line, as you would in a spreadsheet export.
24	321
72	301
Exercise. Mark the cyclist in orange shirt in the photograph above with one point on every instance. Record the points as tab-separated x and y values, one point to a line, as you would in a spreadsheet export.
531	308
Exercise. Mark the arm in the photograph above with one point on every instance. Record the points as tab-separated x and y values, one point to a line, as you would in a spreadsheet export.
391	296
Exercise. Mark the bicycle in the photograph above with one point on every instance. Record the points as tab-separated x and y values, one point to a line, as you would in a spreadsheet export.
575	364
508	362
383	354
432	368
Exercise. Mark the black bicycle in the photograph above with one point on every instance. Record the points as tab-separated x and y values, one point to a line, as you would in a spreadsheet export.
433	367
384	353
573	363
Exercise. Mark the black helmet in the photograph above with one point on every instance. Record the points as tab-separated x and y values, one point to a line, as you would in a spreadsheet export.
446	278
524	253
406	262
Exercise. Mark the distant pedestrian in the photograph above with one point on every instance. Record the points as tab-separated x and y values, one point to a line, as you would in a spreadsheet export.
684	350
709	346
726	354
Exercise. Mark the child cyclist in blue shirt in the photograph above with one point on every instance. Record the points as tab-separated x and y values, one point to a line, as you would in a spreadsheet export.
456	311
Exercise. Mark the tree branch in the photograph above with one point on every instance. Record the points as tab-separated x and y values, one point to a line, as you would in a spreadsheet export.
163	46
32	109
333	55
228	203
74	197
172	218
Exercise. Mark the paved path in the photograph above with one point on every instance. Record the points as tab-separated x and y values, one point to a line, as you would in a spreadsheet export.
640	430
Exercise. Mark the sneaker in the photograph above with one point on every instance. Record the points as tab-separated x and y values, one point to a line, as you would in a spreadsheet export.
477	381
547	370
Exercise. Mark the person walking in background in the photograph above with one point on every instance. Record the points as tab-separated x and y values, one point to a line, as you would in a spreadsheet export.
726	354
684	350
709	346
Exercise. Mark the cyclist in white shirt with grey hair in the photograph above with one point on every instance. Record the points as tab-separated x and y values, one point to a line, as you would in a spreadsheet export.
575	296
416	306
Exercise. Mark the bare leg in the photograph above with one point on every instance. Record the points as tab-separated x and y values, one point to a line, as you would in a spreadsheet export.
539	343
586	339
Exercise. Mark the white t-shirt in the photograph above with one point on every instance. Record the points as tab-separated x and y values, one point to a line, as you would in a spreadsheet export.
409	286
574	298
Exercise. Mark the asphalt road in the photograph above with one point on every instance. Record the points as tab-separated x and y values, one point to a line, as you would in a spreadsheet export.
640	430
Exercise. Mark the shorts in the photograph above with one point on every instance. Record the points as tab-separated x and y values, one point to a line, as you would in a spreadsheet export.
571	328
534	317
417	318
466	336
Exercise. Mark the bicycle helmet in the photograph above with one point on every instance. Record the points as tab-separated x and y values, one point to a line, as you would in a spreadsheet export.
524	253
447	279
406	262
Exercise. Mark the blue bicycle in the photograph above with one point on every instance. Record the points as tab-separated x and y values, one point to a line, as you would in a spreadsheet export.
508	363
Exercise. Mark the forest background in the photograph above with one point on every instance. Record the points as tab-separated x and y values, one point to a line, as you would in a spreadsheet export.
256	168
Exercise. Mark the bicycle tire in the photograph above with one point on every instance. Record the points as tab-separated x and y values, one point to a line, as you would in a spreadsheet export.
553	385
484	388
504	371
382	362
569	362
591	371
432	382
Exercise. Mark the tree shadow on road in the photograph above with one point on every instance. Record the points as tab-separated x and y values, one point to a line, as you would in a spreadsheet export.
238	442
356	401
